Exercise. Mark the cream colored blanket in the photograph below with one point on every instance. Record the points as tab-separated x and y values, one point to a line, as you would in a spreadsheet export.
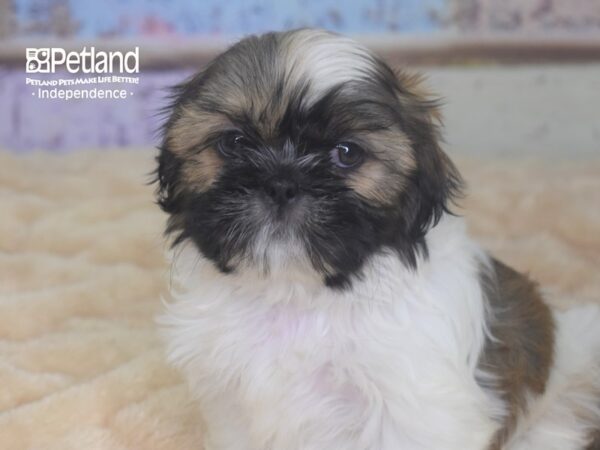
81	274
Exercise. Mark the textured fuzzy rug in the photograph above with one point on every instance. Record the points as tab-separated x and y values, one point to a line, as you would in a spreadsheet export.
81	274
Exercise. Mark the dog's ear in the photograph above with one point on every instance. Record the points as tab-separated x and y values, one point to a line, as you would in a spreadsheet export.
168	172
434	181
183	127
188	160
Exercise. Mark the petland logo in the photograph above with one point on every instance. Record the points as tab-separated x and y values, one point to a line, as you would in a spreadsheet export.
82	75
87	61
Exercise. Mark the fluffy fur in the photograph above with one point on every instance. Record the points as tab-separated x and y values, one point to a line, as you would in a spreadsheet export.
314	309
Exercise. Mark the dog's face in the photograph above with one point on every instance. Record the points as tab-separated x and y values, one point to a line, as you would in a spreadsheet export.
302	147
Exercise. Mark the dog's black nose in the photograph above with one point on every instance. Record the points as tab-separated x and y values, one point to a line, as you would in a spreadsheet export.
281	190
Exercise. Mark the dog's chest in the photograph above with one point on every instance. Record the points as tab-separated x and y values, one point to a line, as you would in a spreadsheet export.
381	365
370	373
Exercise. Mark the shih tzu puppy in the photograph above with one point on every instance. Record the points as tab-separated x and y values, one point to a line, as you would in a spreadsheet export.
324	297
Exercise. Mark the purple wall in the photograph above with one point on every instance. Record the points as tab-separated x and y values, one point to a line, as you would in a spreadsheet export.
28	123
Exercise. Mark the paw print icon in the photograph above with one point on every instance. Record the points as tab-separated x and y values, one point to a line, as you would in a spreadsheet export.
38	60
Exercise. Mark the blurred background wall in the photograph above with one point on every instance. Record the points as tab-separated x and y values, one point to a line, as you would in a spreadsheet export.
511	71
138	18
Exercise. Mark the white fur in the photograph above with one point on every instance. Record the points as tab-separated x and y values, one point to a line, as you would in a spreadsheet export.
325	59
282	362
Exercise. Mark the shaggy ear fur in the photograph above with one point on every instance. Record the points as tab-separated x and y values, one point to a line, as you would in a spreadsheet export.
168	173
435	181
168	192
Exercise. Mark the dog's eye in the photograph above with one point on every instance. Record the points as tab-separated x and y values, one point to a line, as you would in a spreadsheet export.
232	143
347	155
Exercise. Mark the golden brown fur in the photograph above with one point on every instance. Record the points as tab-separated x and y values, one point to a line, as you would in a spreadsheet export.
519	354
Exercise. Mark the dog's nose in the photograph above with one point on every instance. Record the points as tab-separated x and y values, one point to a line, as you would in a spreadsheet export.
281	190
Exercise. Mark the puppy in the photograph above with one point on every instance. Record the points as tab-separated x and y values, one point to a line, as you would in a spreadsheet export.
323	296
